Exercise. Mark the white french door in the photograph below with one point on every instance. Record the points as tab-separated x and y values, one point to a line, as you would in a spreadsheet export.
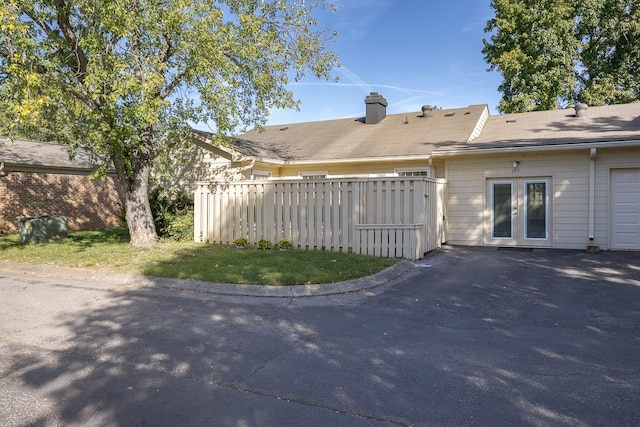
519	212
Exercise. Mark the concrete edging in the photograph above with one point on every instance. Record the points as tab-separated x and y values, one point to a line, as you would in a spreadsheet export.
109	279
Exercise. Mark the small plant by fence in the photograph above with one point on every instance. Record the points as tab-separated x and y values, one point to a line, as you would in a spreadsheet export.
397	217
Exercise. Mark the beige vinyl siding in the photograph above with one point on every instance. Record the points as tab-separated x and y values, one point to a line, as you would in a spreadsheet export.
192	163
607	159
437	170
468	214
222	169
465	206
351	169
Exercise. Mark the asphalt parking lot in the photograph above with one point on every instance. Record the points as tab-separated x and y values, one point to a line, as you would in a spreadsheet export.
466	336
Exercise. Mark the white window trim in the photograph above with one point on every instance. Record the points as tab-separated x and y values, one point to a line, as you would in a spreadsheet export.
399	171
546	207
258	175
513	189
314	174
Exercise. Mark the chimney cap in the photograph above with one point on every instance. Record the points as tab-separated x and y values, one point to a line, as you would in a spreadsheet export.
375	98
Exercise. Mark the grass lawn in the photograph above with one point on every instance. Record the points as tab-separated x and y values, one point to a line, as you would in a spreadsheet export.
109	250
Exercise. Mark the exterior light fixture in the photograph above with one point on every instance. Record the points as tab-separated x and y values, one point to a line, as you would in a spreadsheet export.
516	164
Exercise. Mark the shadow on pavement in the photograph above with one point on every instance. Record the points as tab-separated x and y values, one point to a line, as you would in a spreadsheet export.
473	336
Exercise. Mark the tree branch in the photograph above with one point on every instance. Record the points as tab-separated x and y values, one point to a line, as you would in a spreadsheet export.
42	24
166	53
164	93
70	36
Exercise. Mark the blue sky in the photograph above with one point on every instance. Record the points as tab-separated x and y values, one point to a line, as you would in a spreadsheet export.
413	52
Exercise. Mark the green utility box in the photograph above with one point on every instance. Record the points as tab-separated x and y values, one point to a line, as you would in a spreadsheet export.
40	229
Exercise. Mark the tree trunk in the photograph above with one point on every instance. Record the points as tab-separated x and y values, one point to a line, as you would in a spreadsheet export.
135	193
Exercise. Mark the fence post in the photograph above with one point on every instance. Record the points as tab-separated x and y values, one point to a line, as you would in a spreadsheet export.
213	215
197	214
355	214
269	206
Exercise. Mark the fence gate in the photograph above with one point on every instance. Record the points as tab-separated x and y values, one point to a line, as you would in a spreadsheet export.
396	217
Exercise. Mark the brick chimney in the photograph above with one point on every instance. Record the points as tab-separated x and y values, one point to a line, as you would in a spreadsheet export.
376	108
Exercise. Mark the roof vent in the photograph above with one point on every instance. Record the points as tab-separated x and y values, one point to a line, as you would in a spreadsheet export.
376	108
427	110
581	109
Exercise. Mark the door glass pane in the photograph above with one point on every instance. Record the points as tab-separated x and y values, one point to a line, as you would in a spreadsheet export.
536	195
502	210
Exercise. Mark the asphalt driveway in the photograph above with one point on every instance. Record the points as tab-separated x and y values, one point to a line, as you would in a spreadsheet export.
467	336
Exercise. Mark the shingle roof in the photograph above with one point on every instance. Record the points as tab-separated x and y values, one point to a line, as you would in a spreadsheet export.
396	135
450	130
545	128
43	154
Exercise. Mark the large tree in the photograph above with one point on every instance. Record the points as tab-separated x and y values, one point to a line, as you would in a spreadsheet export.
554	53
126	78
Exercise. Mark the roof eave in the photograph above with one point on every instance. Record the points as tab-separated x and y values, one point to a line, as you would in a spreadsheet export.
242	158
536	148
42	168
220	150
339	161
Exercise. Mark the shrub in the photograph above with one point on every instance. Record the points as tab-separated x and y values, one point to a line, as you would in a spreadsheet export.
284	244
241	243
172	211
264	244
180	227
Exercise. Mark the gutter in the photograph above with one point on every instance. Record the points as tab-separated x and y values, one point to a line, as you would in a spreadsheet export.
592	194
36	168
360	160
529	148
425	157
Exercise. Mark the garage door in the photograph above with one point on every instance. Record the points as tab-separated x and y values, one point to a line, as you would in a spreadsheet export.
625	208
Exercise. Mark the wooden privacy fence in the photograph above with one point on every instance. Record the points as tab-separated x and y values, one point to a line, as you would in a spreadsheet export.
397	217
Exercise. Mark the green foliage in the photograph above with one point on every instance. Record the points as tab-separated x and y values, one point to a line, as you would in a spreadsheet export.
284	244
172	212
119	78
241	243
555	53
180	228
264	244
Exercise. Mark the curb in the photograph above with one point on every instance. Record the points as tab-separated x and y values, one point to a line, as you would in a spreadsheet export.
107	280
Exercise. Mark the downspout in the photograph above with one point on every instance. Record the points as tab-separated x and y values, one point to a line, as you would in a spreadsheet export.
592	194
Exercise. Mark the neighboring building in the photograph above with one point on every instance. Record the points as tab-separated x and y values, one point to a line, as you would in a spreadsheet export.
37	178
194	161
560	179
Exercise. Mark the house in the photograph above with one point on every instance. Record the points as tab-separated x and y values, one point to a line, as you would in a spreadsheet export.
562	179
38	178
375	145
559	179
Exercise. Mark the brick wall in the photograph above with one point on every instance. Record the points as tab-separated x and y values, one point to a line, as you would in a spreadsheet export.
87	203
